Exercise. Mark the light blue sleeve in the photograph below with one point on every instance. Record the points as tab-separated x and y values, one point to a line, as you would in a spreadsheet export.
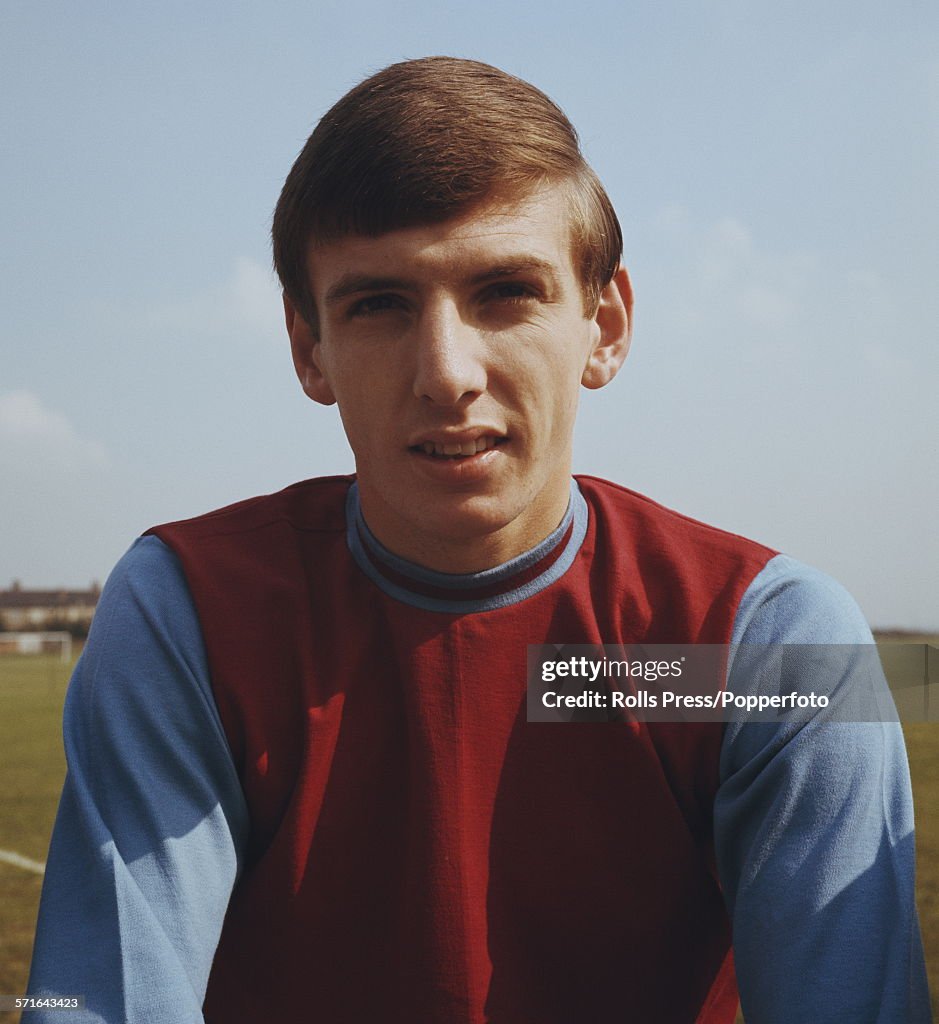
147	840
814	833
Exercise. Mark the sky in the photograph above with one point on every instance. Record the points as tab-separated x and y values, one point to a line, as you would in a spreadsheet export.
774	167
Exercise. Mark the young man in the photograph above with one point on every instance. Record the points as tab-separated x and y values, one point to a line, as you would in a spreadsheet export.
301	781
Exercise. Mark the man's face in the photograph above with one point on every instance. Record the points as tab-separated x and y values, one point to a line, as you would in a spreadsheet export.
456	353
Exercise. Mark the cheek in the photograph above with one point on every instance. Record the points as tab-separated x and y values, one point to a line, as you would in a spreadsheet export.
557	351
369	414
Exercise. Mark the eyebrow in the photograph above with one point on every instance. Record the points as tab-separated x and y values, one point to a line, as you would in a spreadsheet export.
356	284
517	265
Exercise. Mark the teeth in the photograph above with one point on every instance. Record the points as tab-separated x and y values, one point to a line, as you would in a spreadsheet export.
454	451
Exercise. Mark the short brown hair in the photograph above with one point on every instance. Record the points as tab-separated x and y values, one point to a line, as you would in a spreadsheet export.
424	140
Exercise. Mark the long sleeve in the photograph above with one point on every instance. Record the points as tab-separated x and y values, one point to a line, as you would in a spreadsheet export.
145	849
814	828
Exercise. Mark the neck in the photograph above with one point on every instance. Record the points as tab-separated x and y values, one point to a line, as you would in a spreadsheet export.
474	550
494	587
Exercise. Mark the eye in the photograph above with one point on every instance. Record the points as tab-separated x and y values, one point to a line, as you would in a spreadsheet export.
510	291
373	304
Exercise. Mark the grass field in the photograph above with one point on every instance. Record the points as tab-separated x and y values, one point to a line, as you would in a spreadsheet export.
32	766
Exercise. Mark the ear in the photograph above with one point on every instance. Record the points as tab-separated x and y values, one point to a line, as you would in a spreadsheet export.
305	347
612	328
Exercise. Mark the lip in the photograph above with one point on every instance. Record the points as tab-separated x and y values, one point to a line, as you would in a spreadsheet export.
466	470
468	435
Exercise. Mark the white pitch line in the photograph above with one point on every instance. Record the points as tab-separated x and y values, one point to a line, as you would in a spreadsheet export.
19	861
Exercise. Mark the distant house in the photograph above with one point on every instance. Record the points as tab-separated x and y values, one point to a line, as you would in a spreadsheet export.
26	610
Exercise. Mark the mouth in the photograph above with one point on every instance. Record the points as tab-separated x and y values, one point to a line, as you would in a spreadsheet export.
457	450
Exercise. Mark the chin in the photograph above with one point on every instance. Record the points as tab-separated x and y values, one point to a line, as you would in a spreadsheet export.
467	519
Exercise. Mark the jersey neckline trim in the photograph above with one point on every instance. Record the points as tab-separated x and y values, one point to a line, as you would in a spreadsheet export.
461	593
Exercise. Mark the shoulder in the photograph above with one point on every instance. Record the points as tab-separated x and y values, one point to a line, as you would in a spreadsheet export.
791	602
663	530
141	695
145	621
797	630
146	584
317	505
685	577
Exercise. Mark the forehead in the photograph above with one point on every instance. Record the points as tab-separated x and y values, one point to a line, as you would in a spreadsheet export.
534	229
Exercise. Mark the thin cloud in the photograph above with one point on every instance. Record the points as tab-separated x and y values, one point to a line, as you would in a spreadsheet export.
34	436
245	306
728	271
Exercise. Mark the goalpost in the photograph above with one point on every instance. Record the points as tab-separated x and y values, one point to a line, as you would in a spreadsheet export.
37	643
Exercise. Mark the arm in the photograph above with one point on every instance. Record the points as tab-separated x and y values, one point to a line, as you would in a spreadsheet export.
814	831
152	819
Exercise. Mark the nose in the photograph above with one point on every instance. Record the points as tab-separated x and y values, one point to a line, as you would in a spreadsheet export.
449	353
